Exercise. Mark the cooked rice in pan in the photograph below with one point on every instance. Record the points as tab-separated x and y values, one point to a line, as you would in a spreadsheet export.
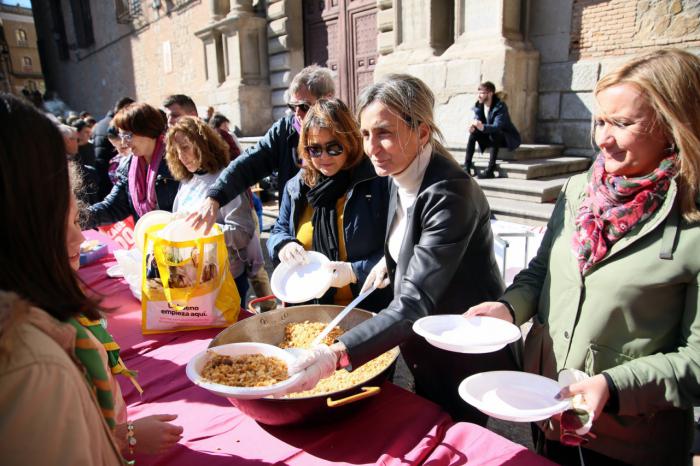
248	370
301	335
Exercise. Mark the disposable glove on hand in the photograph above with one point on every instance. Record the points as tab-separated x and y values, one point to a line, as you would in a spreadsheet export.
378	276
293	254
316	364
342	273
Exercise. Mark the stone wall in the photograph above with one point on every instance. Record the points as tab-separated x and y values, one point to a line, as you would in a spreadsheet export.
581	40
285	45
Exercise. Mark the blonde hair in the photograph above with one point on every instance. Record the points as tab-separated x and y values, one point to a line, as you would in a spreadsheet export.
333	115
209	147
410	99
669	80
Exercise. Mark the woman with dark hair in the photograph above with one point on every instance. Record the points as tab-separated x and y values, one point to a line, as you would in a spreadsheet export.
335	205
196	155
52	358
145	184
46	386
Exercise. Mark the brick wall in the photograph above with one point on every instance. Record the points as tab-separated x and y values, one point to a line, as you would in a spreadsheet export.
620	27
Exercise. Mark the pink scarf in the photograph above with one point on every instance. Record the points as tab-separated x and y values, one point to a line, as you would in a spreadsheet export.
614	205
142	180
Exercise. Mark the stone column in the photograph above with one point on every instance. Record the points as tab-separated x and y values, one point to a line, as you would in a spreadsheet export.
486	45
237	70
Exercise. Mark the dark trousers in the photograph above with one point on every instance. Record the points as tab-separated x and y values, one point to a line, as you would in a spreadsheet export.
494	141
242	285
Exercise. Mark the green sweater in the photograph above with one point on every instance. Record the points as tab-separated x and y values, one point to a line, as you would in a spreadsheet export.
633	315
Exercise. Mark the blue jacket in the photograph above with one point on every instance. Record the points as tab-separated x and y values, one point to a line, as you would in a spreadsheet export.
276	151
498	120
364	225
117	205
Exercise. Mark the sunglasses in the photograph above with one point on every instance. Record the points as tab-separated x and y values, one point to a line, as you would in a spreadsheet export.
304	107
333	149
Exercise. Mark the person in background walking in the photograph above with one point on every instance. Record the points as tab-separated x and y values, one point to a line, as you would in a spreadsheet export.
491	128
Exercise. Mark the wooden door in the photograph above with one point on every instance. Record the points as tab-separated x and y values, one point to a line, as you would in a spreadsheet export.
342	35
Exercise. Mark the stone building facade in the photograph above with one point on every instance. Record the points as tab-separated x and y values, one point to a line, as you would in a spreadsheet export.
20	65
240	55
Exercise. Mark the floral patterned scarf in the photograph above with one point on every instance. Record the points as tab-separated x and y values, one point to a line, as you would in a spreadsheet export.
614	205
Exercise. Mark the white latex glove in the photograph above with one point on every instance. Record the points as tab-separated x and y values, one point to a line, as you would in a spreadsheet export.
292	254
342	273
378	276
315	364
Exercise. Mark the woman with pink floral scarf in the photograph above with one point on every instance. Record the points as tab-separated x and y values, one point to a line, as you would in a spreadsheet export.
613	290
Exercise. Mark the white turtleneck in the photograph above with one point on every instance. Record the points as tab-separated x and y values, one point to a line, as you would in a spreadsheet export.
408	183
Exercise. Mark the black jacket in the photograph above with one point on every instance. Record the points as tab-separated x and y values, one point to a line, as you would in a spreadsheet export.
498	121
364	225
276	151
118	206
104	151
446	264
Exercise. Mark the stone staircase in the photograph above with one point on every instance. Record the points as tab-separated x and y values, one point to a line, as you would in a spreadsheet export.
528	183
529	180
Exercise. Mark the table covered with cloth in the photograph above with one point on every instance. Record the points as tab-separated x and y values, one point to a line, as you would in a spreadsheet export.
395	427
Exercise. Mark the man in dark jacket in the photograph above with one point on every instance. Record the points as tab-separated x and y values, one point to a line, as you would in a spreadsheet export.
276	151
491	127
104	150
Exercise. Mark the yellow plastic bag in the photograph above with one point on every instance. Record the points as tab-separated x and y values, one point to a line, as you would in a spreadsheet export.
186	285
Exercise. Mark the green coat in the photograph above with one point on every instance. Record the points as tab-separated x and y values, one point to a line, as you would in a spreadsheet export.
633	315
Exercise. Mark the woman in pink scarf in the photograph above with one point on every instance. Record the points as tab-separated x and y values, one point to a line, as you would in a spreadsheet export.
613	290
145	183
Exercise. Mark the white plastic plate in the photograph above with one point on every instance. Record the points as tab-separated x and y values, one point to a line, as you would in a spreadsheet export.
196	365
452	332
513	396
149	219
115	271
302	282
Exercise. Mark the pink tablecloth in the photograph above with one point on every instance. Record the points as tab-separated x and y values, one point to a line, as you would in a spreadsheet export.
394	428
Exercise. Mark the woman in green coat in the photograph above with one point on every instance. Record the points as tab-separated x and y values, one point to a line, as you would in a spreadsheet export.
613	290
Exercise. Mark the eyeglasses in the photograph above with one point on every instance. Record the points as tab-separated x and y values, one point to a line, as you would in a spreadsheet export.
303	106
333	149
126	136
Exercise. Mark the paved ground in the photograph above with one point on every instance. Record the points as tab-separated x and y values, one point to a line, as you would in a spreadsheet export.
517	432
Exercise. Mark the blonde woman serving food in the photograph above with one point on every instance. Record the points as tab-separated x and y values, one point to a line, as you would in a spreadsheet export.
438	251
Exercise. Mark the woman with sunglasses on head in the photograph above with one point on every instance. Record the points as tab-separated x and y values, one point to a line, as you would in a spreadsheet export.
335	205
613	290
196	155
144	183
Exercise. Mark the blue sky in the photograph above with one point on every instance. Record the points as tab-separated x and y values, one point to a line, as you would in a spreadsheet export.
24	3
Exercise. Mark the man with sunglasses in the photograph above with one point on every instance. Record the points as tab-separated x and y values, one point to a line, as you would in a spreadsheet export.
276	151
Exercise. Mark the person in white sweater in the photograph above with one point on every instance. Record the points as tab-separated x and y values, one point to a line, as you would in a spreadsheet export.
196	155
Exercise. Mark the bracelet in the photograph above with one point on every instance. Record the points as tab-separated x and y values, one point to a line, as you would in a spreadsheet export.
130	437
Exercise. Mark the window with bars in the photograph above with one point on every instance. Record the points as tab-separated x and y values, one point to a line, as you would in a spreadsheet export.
21	36
26	64
127	10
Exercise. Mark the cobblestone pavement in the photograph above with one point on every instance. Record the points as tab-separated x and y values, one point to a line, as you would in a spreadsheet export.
516	432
